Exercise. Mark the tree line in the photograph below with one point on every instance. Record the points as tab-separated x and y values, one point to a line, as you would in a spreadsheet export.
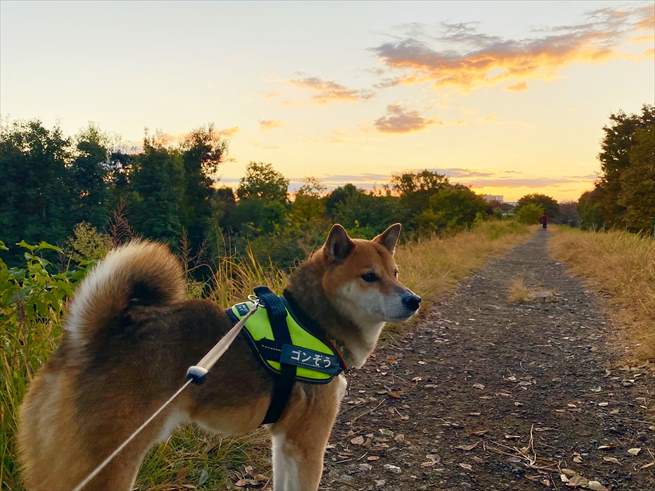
51	183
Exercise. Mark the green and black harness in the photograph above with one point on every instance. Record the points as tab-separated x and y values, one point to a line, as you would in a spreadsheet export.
289	345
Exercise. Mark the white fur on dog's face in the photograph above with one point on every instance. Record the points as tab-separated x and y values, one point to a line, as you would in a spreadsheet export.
368	304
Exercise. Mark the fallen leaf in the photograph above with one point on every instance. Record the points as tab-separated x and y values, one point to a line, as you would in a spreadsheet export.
613	460
478	386
467	467
634	451
372	458
358	440
467	448
394	394
603	404
596	486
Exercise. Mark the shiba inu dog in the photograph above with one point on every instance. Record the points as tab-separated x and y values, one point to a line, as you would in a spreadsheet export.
130	335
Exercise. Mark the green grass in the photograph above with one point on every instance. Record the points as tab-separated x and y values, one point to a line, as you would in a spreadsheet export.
32	304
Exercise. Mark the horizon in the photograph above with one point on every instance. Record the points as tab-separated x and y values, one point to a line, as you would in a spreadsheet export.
507	98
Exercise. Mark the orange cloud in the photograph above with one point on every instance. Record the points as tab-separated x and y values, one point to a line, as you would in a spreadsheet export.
269	124
518	87
228	132
400	120
471	59
326	91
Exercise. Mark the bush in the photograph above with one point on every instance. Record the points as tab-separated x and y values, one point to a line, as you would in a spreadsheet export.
529	214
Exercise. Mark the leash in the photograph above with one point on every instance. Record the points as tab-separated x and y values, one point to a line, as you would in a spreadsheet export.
195	374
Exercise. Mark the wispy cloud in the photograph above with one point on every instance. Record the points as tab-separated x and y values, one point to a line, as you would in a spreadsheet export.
401	120
228	132
269	124
326	91
461	56
518	87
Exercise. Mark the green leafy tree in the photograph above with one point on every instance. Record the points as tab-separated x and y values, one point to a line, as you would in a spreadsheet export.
529	213
36	186
263	182
202	153
309	204
614	157
637	195
157	186
547	203
415	190
457	207
591	210
338	196
90	172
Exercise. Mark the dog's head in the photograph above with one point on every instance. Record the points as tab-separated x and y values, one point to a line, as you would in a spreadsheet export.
361	278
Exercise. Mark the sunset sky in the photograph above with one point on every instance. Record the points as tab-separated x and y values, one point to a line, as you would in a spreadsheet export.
507	97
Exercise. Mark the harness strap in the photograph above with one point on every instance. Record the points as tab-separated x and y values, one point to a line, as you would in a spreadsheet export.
282	383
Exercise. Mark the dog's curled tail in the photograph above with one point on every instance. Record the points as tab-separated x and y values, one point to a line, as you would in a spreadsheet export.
138	273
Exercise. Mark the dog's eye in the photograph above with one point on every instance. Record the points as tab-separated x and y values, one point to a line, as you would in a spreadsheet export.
370	277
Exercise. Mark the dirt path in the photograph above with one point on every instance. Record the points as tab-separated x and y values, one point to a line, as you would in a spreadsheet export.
485	394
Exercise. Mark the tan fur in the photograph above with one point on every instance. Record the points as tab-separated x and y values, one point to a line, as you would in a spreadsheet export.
130	335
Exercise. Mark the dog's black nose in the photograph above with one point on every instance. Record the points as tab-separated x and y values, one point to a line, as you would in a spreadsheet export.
411	301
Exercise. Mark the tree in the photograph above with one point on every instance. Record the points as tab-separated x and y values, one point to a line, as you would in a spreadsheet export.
36	185
89	172
425	181
338	196
156	188
456	207
548	204
590	209
568	214
637	195
309	203
415	190
202	153
263	182
529	213
614	157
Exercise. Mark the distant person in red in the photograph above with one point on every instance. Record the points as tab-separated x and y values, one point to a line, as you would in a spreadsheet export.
543	219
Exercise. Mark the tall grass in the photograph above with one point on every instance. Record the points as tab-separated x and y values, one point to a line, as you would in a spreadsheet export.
32	302
623	265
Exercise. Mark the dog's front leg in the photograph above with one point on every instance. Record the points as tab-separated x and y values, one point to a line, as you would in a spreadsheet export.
300	437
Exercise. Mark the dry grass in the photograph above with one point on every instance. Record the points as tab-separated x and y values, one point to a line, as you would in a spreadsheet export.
622	265
518	292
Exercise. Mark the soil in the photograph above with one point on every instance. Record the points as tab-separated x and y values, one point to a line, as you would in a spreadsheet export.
488	394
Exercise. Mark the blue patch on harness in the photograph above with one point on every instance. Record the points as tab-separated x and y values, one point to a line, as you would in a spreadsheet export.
242	308
307	358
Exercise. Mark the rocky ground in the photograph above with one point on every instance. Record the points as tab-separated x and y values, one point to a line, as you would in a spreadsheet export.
489	394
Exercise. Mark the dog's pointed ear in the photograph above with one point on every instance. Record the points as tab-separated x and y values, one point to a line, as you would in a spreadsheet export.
389	238
338	245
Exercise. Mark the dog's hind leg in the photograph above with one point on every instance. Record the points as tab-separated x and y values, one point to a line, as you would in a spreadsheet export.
300	437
